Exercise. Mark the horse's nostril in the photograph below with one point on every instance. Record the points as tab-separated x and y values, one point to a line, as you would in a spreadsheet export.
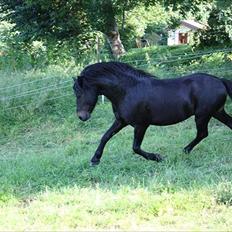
83	116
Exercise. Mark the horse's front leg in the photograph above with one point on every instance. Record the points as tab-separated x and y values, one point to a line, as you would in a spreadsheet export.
115	128
139	133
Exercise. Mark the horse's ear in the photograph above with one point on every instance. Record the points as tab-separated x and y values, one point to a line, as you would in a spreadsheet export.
80	81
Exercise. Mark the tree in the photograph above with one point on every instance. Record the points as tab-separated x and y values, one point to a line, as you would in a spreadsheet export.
41	18
102	15
64	20
219	30
68	19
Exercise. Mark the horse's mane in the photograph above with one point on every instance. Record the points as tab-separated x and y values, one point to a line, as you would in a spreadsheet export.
118	69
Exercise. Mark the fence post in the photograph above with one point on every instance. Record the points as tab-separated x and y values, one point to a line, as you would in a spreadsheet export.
99	60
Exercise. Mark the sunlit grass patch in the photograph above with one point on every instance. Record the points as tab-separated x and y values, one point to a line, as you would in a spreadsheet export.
93	208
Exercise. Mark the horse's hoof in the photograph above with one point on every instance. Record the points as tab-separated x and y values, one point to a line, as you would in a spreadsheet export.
156	157
186	150
94	163
159	158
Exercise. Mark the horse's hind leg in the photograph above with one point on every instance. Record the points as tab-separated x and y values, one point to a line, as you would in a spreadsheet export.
223	117
202	132
139	133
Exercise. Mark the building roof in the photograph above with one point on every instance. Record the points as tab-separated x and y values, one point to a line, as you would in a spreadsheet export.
192	24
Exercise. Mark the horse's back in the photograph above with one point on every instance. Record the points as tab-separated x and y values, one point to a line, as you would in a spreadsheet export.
174	100
200	84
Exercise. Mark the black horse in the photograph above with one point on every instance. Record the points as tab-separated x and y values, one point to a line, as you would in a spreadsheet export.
139	99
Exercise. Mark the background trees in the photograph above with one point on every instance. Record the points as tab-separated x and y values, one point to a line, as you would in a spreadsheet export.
219	30
75	23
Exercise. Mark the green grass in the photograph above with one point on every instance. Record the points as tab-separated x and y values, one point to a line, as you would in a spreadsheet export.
46	182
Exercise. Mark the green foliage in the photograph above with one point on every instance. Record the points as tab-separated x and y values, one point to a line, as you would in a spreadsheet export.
17	54
55	24
143	20
219	31
76	21
39	18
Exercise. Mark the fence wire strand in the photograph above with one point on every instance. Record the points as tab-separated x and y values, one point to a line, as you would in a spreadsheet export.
26	83
184	54
181	55
46	90
33	104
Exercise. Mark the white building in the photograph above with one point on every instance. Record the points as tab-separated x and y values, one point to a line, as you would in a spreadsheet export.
182	34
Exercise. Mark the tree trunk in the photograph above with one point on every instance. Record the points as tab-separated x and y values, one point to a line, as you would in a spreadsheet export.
114	40
111	29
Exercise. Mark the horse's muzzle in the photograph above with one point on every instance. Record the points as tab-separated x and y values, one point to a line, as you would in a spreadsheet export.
83	115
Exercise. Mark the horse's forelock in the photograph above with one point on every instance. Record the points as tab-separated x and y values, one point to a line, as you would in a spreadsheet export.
80	81
76	86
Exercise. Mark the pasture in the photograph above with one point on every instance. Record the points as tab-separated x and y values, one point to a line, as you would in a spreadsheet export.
46	182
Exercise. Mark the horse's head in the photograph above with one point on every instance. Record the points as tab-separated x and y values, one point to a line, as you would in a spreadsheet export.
86	98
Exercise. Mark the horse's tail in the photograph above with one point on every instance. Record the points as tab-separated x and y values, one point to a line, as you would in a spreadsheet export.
228	85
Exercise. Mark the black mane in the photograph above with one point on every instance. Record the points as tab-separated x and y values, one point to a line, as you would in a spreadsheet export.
112	69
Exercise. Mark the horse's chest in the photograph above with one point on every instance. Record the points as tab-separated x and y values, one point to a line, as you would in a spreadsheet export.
134	113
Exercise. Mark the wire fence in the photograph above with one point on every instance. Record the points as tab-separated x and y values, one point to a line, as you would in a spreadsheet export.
34	92
34	104
59	86
163	59
49	89
26	83
179	56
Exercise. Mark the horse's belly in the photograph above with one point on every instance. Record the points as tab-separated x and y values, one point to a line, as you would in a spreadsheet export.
171	114
165	121
146	112
159	119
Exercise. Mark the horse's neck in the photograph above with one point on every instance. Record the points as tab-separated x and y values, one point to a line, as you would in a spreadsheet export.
112	88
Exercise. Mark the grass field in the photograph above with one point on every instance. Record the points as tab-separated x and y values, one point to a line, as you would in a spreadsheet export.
46	182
